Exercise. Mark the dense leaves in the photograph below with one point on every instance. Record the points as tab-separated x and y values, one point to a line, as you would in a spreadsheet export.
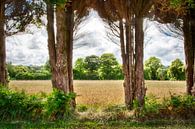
155	70
19	72
105	67
93	67
16	105
175	107
20	106
176	70
152	65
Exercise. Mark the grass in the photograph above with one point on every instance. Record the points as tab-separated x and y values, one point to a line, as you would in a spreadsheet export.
76	124
102	93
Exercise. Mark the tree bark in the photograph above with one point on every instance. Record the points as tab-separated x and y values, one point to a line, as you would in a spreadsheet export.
192	15
60	51
127	53
69	40
139	50
51	42
62	79
69	23
126	84
3	70
188	54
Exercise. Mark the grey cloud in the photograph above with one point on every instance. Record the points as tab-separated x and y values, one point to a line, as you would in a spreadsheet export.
31	49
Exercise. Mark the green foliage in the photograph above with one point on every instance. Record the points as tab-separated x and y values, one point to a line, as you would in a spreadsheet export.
162	73
20	106
152	65
93	67
20	72
58	2
58	105
154	70
178	3
92	63
82	108
109	68
79	69
176	70
175	107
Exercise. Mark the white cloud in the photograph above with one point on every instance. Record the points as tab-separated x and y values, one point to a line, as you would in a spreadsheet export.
31	48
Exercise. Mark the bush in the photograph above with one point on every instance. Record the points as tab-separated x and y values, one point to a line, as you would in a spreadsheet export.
20	106
175	107
58	105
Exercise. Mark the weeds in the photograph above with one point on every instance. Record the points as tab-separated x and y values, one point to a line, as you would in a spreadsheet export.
175	107
20	106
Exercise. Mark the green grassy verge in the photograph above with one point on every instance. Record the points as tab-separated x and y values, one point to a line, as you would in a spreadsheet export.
72	124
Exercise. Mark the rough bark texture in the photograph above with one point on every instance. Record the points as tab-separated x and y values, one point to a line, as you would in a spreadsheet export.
3	71
192	15
139	50
69	40
126	84
127	51
188	54
69	23
62	80
51	42
60	51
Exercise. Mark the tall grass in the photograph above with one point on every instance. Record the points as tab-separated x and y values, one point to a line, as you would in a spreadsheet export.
102	93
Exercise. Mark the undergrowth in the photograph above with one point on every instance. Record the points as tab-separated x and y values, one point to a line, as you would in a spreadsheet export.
21	106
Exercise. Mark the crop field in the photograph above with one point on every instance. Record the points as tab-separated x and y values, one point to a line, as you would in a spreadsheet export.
102	93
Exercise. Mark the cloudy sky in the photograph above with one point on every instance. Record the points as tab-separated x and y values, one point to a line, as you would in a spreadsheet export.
30	48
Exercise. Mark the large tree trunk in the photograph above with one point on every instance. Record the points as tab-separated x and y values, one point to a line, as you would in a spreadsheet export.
188	47
126	84
3	71
192	12
51	42
69	16
127	53
69	23
139	50
60	53
62	79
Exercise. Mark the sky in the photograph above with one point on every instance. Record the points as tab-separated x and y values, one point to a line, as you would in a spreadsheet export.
30	47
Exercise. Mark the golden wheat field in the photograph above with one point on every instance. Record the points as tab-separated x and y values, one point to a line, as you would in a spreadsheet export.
102	93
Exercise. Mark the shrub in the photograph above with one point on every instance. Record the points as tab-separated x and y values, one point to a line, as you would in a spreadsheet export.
18	105
58	105
175	107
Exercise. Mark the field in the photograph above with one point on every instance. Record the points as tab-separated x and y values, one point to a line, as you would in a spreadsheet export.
102	93
97	96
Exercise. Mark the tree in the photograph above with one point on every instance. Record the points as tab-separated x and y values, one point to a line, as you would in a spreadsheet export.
133	12
172	11
60	51
3	71
153	64
80	69
109	67
20	13
140	8
176	70
92	64
61	45
162	73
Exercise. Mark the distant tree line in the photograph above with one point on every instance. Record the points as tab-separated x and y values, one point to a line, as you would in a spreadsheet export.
21	72
155	70
104	67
